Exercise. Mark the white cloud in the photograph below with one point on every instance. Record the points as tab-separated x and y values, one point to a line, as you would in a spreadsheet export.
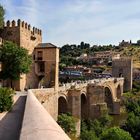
72	21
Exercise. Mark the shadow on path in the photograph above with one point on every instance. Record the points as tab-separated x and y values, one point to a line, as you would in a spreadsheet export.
10	125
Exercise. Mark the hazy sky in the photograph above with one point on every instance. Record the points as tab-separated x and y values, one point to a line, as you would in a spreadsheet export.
73	21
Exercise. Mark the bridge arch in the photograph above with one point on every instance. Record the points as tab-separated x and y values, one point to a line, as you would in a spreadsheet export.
84	106
62	105
109	99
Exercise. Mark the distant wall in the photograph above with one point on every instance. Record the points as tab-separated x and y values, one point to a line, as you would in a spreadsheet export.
38	124
122	67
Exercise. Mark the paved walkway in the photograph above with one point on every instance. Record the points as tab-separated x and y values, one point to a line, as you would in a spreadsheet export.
10	124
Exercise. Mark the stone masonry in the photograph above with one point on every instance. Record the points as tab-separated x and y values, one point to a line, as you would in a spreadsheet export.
122	67
23	35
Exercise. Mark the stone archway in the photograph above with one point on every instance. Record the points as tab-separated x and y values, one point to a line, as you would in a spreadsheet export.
62	105
109	100
40	81
84	108
118	92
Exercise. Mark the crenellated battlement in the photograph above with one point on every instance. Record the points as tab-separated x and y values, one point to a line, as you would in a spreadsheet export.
22	24
121	58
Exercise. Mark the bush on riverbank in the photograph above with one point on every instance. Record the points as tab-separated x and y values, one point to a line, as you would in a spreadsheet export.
115	133
6	99
68	123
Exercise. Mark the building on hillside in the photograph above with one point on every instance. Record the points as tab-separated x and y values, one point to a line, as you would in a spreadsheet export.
75	73
124	43
98	58
45	56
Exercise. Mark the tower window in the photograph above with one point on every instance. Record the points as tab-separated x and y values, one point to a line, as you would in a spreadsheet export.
39	55
41	67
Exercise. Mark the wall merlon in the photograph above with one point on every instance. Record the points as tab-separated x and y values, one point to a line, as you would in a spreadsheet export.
13	23
29	27
36	31
23	24
26	25
40	32
19	22
8	23
33	30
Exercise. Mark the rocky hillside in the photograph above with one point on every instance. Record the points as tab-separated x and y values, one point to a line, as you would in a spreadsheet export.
134	52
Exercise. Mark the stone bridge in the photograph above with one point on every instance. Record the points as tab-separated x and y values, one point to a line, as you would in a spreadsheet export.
83	100
92	98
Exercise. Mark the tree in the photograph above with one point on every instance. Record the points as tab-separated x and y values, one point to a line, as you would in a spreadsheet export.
15	61
2	12
115	133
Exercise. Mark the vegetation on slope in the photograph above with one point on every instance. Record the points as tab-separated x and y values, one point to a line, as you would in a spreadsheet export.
68	53
134	52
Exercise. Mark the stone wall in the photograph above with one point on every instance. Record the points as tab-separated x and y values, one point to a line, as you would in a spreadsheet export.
38	124
84	100
23	35
50	58
49	100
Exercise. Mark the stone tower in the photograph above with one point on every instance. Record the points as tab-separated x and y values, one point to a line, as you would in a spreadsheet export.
21	33
122	67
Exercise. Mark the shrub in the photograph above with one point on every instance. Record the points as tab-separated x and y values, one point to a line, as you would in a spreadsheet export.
68	123
6	100
132	125
105	120
96	126
115	133
133	106
88	135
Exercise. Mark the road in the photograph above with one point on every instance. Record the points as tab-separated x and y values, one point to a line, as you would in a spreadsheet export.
10	124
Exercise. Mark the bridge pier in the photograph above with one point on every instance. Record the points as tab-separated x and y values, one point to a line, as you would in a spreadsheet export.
116	108
97	110
97	106
74	107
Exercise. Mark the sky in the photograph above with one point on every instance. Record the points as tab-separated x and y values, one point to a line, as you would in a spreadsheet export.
72	21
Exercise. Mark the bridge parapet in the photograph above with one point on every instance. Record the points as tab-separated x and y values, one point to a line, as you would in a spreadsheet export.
38	124
81	84
68	86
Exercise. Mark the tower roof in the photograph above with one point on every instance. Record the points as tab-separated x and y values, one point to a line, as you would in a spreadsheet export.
45	45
